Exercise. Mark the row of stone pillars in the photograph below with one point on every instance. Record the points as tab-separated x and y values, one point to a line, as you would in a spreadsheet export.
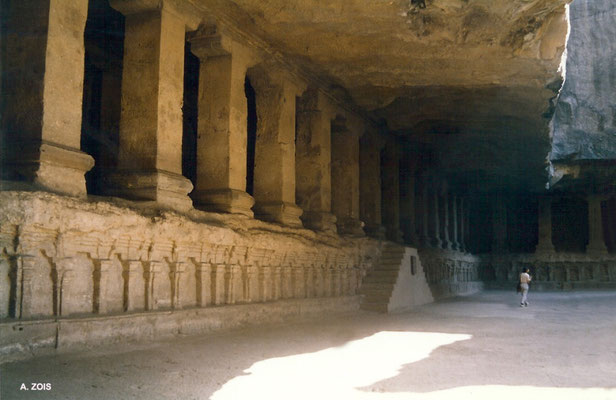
443	218
309	168
596	241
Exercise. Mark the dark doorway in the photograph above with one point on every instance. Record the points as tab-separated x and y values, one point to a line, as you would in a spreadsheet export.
190	115
251	100
102	91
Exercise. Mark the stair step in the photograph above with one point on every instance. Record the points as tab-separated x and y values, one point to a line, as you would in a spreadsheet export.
379	307
378	285
383	272
388	268
382	279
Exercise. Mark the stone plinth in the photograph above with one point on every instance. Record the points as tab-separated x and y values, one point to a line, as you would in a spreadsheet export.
165	188
319	221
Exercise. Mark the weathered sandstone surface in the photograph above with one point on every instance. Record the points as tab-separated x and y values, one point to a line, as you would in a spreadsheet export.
584	123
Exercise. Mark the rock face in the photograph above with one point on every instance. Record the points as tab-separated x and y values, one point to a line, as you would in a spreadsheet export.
584	123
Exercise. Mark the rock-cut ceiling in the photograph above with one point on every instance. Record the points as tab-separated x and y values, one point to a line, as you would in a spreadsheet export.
471	79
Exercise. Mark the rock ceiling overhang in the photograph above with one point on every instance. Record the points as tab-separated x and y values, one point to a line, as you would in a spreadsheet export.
484	70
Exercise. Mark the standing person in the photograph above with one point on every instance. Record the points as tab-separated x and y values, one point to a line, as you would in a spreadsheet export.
524	281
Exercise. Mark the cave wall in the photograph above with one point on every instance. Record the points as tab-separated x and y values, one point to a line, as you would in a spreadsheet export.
584	122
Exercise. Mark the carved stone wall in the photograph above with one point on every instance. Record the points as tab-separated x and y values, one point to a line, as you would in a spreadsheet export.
451	272
554	271
65	257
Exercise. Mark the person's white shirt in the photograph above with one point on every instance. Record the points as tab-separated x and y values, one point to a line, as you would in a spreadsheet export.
524	277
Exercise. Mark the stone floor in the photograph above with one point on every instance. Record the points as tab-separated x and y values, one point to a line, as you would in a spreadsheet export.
482	346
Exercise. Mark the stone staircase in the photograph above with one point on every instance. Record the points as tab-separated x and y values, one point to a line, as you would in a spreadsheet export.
379	283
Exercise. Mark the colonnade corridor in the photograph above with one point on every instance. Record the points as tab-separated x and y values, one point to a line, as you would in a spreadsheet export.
480	346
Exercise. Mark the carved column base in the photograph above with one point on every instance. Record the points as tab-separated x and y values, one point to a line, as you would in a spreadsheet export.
319	221
596	249
376	231
230	201
545	248
45	166
394	234
436	243
279	212
350	226
165	188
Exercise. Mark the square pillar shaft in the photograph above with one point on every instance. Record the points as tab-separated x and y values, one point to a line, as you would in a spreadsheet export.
345	181
444	220
391	192
274	174
434	220
499	223
596	242
222	129
370	185
462	224
545	225
313	162
43	68
423	213
150	151
407	203
455	239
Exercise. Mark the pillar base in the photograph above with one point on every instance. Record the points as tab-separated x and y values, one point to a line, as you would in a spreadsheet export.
545	249
435	243
165	188
230	201
319	221
46	166
424	241
376	231
279	212
350	226
598	249
394	234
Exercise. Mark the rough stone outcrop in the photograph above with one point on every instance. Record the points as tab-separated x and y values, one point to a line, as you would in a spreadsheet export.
584	123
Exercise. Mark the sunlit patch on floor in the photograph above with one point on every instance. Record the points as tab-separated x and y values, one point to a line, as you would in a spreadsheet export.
337	372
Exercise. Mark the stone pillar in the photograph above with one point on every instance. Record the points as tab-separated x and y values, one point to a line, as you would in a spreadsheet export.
370	185
43	64
499	223
391	191
150	151
222	131
462	225
423	213
407	203
444	219
274	175
596	242
545	225
313	162
455	238
466	233
345	179
434	223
